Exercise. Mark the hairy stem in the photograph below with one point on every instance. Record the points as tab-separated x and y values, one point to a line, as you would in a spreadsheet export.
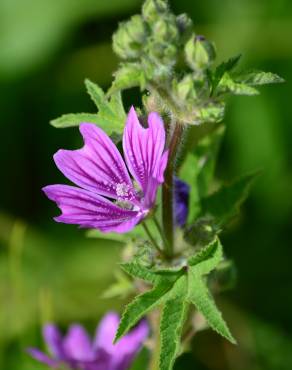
167	191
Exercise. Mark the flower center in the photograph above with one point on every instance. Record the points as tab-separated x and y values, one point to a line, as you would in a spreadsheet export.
122	190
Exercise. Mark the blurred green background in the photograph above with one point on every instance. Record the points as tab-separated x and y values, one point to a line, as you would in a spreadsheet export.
51	271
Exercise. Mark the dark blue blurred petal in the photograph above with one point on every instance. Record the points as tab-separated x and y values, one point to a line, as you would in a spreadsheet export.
181	201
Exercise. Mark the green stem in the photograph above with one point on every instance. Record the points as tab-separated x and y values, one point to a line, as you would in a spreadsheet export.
167	191
151	238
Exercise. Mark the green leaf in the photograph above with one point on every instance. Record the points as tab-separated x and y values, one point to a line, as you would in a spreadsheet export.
212	113
176	288
127	76
228	85
224	204
74	119
96	93
172	321
222	68
255	78
141	305
199	296
111	113
110	117
138	271
207	259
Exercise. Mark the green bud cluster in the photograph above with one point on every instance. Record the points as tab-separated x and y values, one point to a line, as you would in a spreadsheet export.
163	55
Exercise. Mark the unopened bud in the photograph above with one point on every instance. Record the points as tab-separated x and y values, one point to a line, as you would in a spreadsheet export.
152	10
199	52
185	25
165	29
184	89
128	40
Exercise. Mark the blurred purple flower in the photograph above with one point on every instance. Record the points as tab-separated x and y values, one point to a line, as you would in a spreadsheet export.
181	201
107	198
77	351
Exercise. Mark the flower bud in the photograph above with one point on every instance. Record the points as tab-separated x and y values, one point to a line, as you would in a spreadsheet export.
199	53
128	40
153	9
165	29
184	89
184	25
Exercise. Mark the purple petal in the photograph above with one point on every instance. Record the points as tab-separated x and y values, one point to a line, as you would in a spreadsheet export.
98	166
41	357
123	352
90	210
181	201
127	347
77	344
53	339
106	332
143	149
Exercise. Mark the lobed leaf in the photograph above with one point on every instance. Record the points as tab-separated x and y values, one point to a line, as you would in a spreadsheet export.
222	68
138	271
141	305
229	85
172	321
255	78
199	295
74	119
127	76
110	117
207	259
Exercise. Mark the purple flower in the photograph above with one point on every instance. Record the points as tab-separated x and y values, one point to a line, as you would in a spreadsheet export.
77	351
107	198
181	201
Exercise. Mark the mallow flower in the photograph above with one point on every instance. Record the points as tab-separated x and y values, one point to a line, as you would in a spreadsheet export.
77	351
112	193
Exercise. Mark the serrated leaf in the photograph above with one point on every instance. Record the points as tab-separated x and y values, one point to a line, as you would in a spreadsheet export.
222	68
172	321
255	78
224	203
141	305
138	271
111	113
127	76
110	117
176	288
199	296
212	113
228	85
207	259
74	119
